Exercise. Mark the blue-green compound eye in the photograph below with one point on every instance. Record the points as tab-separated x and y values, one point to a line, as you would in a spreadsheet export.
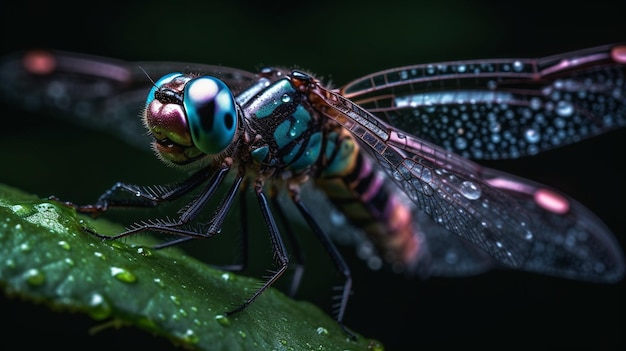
211	114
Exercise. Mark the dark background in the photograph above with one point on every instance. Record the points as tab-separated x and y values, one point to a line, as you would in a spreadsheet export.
341	41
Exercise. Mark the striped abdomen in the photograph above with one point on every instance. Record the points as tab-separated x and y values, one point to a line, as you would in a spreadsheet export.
358	189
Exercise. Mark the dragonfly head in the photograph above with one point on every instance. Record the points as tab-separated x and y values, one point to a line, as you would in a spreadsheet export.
190	117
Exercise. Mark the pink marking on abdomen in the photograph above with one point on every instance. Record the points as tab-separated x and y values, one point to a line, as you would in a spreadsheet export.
373	188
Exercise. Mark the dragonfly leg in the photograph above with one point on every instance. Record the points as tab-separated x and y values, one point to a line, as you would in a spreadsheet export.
335	256
131	195
216	222
278	248
296	249
191	211
243	215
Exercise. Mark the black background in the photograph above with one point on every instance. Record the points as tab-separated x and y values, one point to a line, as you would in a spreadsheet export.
341	41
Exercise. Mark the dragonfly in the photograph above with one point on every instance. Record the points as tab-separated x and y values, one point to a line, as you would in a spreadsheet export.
393	155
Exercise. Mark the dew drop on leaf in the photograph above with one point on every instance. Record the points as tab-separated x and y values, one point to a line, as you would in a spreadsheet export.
222	319
35	277
123	275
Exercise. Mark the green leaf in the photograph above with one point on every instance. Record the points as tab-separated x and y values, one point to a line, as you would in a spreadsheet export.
46	256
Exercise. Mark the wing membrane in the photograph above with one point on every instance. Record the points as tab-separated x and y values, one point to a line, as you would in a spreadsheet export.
518	222
504	108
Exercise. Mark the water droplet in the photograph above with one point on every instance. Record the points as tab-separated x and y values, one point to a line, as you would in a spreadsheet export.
242	334
226	277
337	218
451	257
123	275
460	143
144	251
321	331
175	299
64	244
223	320
283	341
10	263
564	108
535	103
494	126
24	246
470	190
190	336
374	263
159	282
518	66
35	277
69	261
285	98
100	308
99	255
532	135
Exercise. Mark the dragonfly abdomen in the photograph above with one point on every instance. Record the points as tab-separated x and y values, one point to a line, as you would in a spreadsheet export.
355	186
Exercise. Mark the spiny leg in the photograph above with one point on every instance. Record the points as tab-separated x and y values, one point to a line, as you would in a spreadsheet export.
142	196
191	211
278	248
296	249
335	256
187	214
244	235
243	215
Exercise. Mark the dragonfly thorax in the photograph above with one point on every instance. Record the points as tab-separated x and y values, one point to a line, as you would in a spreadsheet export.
283	133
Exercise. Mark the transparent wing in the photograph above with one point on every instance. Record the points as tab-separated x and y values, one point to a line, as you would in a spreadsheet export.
97	92
502	108
518	222
570	241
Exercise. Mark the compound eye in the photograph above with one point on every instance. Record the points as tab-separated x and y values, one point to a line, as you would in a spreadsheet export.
211	114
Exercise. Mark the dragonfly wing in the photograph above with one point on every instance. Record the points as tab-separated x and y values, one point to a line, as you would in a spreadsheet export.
570	241
567	239
447	254
97	92
444	185
504	108
478	204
